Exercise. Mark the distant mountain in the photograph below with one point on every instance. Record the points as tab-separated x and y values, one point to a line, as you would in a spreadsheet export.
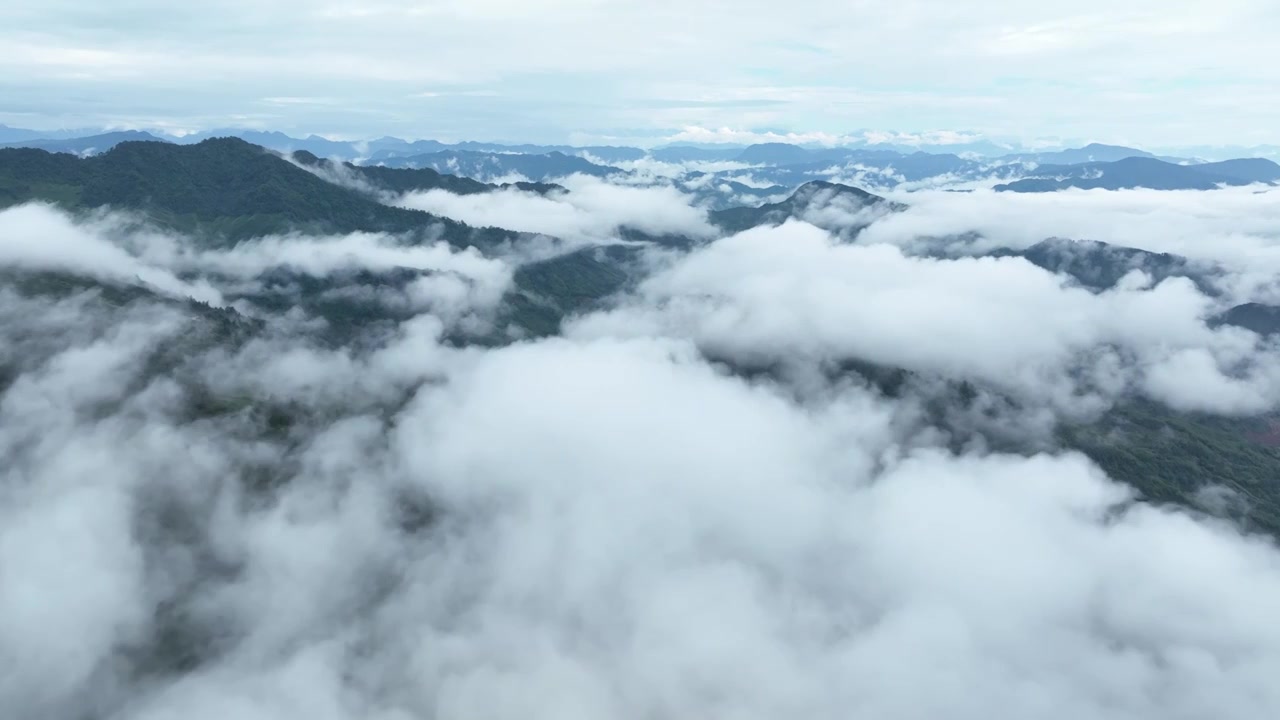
777	154
690	153
487	165
828	205
1092	153
604	153
1136	172
387	148
402	180
1227	152
12	134
1247	170
89	145
280	142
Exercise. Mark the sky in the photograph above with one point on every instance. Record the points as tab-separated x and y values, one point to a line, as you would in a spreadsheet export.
1159	73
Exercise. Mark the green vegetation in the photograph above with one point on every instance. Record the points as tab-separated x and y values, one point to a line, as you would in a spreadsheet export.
1172	457
221	191
573	283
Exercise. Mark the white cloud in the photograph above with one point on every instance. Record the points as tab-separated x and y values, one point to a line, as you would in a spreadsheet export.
607	524
39	237
793	291
658	538
1238	228
110	247
592	210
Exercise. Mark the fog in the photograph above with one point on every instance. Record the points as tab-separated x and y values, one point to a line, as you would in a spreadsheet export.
1238	228
207	520
591	211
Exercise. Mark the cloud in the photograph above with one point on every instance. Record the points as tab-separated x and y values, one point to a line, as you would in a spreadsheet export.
612	522
655	538
792	291
37	236
1237	228
113	247
592	210
1115	72
649	169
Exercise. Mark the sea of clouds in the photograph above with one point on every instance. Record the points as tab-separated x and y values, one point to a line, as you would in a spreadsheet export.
625	520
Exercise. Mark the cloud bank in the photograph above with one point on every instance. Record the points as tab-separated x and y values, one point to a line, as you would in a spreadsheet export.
593	210
610	523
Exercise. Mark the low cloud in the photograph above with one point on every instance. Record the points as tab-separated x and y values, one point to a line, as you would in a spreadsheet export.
793	291
592	210
116	248
1237	228
613	522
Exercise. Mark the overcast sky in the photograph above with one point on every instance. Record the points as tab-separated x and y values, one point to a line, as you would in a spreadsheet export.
1160	73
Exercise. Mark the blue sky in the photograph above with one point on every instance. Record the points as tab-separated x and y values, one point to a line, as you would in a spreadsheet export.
1156	73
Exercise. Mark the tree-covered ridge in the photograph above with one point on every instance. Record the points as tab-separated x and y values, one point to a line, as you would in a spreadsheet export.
812	196
1145	172
222	190
402	180
1220	465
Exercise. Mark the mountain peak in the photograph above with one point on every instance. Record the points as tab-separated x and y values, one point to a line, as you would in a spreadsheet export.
807	192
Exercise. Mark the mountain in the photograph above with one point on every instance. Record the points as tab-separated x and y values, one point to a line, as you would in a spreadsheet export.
1092	153
227	189
223	190
488	165
12	134
690	153
1100	266
717	191
387	148
776	154
1172	458
89	145
391	147
1134	172
604	153
1246	170
402	180
829	205
1261	319
281	142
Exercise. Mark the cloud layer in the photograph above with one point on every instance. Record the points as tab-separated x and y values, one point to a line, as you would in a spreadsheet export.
591	211
622	521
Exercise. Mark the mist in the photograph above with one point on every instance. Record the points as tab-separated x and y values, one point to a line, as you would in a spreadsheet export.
590	211
210	514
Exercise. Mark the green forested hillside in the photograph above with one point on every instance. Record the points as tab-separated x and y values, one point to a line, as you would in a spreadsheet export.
1228	466
225	190
222	190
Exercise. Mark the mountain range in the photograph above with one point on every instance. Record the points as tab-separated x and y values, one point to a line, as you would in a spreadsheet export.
760	173
224	191
1146	172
